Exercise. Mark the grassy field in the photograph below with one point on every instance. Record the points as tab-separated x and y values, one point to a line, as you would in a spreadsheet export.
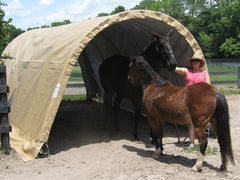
210	69
221	69
222	77
74	97
227	89
224	90
76	69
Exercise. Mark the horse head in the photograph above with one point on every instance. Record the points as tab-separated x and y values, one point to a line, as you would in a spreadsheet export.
140	71
164	47
134	76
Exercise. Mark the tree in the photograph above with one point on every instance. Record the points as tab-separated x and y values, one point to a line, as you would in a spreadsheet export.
146	4
53	24
60	23
214	23
4	29
118	10
102	14
231	47
206	42
173	8
14	32
195	7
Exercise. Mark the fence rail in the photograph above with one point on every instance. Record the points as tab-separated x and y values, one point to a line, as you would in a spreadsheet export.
210	73
227	73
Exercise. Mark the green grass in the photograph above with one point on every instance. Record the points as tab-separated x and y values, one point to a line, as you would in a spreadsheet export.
196	150
230	92
3	151
76	69
221	69
224	77
74	97
75	79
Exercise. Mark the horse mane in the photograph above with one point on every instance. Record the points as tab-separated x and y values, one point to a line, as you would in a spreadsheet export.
148	73
160	82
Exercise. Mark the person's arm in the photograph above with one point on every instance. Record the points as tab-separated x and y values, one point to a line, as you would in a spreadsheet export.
208	78
181	70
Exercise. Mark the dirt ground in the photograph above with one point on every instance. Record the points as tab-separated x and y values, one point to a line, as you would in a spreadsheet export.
80	149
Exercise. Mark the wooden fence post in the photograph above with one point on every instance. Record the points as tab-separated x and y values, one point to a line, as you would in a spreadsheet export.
238	77
5	127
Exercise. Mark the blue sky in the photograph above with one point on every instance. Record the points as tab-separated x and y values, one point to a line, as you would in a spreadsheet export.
35	13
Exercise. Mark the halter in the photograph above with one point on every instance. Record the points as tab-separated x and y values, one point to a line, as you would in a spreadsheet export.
170	53
157	49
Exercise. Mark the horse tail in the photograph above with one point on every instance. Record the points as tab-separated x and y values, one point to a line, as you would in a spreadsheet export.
223	127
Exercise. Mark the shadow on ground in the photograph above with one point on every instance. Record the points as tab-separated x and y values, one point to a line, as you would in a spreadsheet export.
80	123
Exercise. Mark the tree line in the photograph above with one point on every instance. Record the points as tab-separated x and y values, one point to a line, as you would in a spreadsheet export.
214	23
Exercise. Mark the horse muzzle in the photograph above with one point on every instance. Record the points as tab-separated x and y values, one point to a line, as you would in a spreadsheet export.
172	67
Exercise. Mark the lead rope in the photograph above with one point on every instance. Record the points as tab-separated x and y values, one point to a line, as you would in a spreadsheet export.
176	125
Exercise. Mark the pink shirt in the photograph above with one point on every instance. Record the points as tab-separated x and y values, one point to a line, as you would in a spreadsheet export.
191	77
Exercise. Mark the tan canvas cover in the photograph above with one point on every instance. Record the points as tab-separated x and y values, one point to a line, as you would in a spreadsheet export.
43	60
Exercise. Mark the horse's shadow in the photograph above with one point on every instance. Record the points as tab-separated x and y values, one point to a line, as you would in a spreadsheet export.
80	123
167	158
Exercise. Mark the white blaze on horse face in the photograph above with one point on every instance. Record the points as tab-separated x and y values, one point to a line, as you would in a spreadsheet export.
199	163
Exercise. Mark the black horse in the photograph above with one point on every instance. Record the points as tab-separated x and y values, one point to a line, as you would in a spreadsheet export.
114	72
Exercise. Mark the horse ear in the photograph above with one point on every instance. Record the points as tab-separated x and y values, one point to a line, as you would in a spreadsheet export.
132	61
170	32
156	35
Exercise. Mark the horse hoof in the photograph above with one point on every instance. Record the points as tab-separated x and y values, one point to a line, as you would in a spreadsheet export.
153	142
196	169
223	168
191	145
156	155
136	138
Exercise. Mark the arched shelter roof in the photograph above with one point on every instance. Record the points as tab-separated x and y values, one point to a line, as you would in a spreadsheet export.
43	60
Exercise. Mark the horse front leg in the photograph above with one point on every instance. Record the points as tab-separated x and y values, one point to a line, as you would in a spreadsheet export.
117	102
159	133
137	104
200	132
107	110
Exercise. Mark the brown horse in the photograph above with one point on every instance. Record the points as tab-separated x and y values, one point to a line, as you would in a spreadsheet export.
199	103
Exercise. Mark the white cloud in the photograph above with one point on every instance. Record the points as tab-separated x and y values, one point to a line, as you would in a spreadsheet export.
91	8
15	8
15	5
60	15
39	12
78	7
46	2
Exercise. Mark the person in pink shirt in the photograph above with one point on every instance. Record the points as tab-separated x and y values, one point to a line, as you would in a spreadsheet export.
193	75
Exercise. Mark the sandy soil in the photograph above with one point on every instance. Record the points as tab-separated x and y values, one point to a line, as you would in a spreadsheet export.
79	149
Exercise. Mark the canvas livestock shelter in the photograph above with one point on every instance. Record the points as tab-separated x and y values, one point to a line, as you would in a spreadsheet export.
43	60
